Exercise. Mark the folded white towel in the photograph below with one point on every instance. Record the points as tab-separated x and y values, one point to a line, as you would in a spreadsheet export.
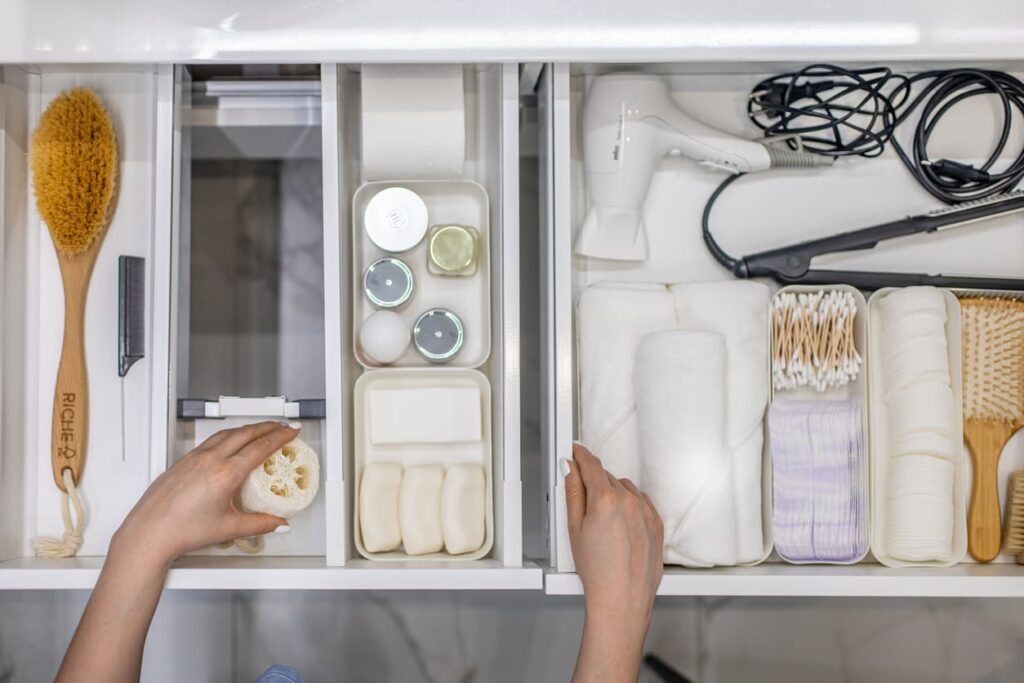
739	311
612	320
686	466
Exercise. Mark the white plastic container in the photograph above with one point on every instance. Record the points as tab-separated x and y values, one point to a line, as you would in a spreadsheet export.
856	390
448	202
879	434
446	454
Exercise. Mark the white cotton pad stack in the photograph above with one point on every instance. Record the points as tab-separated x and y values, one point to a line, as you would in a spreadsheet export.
923	424
819	501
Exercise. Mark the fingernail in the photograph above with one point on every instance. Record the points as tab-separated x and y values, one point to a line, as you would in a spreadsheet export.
563	465
283	529
291	425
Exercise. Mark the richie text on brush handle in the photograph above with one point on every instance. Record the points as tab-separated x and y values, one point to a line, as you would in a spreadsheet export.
73	157
993	355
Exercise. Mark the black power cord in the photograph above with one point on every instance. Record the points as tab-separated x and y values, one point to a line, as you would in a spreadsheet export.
838	112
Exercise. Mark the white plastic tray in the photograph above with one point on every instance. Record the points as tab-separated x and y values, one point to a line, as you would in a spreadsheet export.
879	435
857	390
366	452
454	201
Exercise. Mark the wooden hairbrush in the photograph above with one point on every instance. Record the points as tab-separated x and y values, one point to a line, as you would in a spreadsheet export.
993	378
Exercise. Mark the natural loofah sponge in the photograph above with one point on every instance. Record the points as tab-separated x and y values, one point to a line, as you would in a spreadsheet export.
285	484
73	155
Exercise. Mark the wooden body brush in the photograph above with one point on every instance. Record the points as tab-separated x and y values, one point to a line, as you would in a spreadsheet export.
73	156
1015	516
993	367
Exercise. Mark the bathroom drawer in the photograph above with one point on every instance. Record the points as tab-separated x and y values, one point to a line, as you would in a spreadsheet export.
239	201
757	213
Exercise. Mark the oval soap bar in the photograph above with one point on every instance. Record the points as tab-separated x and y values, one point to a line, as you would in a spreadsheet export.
378	506
419	509
463	509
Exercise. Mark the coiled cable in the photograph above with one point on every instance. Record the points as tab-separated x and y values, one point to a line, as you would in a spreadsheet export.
839	112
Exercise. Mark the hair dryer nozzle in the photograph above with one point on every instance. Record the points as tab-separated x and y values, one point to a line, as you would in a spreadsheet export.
783	157
614	233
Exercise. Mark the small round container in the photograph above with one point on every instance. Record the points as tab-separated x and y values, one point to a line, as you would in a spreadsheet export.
452	250
388	282
438	335
395	219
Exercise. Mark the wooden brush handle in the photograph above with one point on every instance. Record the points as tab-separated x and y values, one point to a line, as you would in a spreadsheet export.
985	440
70	432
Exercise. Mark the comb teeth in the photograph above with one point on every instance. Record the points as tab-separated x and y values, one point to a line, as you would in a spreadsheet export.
993	357
1015	515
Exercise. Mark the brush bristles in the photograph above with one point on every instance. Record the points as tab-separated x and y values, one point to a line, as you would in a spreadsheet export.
1015	515
993	357
73	155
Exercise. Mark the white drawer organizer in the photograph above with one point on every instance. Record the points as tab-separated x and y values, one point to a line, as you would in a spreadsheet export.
756	213
169	131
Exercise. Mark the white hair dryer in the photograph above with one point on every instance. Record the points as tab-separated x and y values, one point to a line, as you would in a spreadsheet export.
629	124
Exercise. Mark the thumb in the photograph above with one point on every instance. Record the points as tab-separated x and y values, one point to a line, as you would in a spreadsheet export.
240	524
575	495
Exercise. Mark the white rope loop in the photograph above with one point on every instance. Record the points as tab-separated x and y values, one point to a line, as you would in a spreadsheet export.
71	541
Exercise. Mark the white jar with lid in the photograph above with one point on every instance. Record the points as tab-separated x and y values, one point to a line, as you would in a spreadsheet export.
395	219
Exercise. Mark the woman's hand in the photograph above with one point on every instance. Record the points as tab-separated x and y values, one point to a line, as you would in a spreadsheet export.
187	507
190	505
617	540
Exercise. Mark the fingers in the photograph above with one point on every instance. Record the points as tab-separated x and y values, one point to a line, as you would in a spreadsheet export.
232	441
575	497
260	448
240	524
595	479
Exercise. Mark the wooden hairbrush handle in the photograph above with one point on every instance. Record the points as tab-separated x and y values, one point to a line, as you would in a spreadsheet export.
70	432
985	441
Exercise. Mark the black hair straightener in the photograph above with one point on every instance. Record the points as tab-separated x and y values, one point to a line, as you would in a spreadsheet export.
792	264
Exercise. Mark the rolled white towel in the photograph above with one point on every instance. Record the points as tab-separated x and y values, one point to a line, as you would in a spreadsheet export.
738	310
612	321
685	464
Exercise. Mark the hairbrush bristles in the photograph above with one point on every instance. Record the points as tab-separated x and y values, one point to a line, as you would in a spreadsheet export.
1014	532
993	358
73	154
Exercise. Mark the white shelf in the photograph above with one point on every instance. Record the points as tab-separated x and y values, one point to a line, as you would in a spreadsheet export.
282	573
865	580
453	30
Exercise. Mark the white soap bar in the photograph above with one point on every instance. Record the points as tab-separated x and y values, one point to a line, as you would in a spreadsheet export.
378	507
435	415
419	509
463	508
